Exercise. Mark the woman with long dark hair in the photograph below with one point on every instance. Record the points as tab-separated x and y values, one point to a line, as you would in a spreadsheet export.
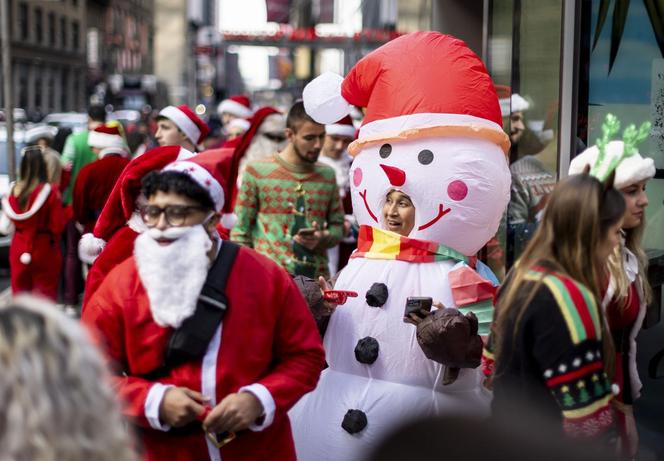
549	339
35	209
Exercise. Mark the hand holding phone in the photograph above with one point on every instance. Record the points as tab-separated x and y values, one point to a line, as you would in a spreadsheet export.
417	308
338	296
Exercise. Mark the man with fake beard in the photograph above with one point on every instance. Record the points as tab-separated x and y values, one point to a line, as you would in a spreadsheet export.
288	206
208	369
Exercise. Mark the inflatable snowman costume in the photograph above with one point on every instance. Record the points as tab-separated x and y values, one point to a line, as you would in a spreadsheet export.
433	131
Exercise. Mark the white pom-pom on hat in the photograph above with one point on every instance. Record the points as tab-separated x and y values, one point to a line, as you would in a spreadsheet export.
228	220
25	258
89	247
323	100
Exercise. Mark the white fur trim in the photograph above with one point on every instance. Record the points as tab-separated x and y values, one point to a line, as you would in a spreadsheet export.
90	247
267	401
152	405
42	196
103	140
631	170
186	125
185	154
25	258
394	125
234	108
121	151
203	178
323	100
239	123
228	220
338	129
40	132
209	381
515	103
136	223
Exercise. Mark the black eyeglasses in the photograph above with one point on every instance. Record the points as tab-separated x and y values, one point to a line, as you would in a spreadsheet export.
175	215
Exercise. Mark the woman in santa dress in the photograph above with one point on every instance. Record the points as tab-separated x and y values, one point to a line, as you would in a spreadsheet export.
35	210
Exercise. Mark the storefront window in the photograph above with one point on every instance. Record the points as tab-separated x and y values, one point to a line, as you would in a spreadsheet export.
626	78
524	44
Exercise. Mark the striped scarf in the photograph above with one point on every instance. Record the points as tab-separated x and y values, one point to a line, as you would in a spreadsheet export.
374	243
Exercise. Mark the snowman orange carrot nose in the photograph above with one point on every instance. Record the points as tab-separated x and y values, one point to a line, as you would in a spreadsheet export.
396	176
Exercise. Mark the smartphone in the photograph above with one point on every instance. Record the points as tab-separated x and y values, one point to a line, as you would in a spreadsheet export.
415	304
338	296
307	231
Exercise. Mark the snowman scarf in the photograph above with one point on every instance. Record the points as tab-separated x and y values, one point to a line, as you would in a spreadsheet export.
374	243
472	283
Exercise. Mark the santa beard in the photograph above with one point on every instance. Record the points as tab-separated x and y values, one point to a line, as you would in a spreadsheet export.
261	147
173	275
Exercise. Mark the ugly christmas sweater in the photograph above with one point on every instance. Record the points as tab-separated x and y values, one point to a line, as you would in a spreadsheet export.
267	209
551	358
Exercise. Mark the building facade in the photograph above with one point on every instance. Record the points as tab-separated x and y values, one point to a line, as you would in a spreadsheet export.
48	55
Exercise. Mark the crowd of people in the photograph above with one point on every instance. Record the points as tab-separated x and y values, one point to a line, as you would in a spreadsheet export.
303	289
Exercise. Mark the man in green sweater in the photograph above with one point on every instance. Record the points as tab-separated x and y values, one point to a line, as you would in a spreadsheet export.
288	206
76	153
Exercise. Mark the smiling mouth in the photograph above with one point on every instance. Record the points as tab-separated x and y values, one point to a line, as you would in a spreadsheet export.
442	211
366	205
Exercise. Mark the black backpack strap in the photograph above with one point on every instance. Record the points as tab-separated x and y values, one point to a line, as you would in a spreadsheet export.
191	339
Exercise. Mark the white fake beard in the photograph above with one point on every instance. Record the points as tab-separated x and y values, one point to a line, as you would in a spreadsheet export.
260	148
173	275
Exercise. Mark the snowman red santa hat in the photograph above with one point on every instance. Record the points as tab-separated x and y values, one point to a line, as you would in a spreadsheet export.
432	129
454	96
121	206
109	138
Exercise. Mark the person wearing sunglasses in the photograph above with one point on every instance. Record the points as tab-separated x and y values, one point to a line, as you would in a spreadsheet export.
208	369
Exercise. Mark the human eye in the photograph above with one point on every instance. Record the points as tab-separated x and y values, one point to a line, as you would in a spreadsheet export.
177	211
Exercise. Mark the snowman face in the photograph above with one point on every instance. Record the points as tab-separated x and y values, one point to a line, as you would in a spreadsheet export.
459	187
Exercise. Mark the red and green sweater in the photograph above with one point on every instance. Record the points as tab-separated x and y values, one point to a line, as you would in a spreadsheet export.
265	208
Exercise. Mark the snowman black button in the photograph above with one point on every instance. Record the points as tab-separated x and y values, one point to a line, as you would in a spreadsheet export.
354	421
377	295
366	350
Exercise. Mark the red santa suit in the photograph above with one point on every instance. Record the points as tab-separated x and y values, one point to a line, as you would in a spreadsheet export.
267	344
119	224
35	257
94	184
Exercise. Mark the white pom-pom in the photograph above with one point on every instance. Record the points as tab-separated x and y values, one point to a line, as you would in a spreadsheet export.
228	220
25	258
89	247
323	101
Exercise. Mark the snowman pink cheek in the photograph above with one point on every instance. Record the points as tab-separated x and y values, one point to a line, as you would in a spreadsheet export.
457	190
357	177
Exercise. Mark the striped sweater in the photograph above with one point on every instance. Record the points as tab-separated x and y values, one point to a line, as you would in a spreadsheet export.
551	357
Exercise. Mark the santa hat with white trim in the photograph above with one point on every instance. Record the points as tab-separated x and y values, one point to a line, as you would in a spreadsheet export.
195	129
109	135
121	203
210	171
237	105
343	127
40	132
515	103
451	94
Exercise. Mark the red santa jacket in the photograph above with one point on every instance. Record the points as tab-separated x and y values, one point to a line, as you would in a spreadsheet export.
93	185
268	337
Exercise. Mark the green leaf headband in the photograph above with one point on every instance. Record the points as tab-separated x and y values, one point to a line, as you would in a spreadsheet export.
605	164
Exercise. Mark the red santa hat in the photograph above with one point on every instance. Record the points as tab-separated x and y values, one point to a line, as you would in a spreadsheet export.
121	203
109	138
210	171
187	121
451	94
237	105
343	127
